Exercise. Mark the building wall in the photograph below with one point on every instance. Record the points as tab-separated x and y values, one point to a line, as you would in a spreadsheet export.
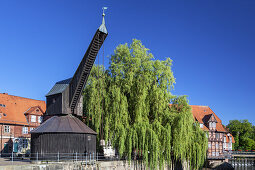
16	132
216	144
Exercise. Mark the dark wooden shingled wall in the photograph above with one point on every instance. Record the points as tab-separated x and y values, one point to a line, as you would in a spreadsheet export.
47	145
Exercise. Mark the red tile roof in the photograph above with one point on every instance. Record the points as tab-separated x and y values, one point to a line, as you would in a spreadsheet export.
35	110
16	107
203	113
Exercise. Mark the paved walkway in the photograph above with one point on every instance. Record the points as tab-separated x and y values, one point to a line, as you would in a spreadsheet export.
8	161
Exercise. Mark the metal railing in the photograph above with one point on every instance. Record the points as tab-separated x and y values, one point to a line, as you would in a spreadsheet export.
84	158
243	152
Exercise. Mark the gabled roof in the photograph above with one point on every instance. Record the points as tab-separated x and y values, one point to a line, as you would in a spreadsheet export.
203	114
33	110
212	118
59	87
15	108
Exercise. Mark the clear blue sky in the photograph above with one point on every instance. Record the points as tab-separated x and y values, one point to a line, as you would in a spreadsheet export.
211	43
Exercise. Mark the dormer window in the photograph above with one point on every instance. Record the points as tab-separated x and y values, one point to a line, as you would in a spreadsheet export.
212	125
201	125
33	118
40	119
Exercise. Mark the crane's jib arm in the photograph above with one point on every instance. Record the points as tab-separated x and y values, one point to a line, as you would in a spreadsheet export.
82	73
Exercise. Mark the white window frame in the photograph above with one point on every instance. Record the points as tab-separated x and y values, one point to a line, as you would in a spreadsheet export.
214	124
201	125
40	119
7	129
230	146
24	130
33	118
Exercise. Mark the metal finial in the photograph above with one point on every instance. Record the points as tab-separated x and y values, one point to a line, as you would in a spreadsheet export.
104	8
102	28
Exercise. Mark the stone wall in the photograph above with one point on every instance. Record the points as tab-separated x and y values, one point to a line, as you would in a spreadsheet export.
101	165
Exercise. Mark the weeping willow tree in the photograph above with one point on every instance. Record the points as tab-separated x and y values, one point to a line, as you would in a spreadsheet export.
128	104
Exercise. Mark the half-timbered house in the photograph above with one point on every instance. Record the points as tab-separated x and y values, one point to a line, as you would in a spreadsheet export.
219	138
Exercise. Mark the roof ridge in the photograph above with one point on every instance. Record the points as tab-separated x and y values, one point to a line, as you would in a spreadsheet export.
200	106
22	97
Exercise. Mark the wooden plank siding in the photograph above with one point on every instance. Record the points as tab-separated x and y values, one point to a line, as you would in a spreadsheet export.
47	145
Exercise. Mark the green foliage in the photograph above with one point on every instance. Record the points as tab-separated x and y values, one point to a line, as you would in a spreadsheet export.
133	96
243	133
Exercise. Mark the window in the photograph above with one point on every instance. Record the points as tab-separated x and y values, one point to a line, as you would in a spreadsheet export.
209	145
201	125
31	129
217	135
40	119
213	153
33	118
225	139
25	130
217	145
24	143
214	125
217	153
7	129
2	105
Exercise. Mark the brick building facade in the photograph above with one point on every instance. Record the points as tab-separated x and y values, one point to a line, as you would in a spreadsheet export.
18	116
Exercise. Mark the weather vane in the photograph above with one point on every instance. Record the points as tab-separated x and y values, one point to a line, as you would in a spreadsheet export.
104	8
